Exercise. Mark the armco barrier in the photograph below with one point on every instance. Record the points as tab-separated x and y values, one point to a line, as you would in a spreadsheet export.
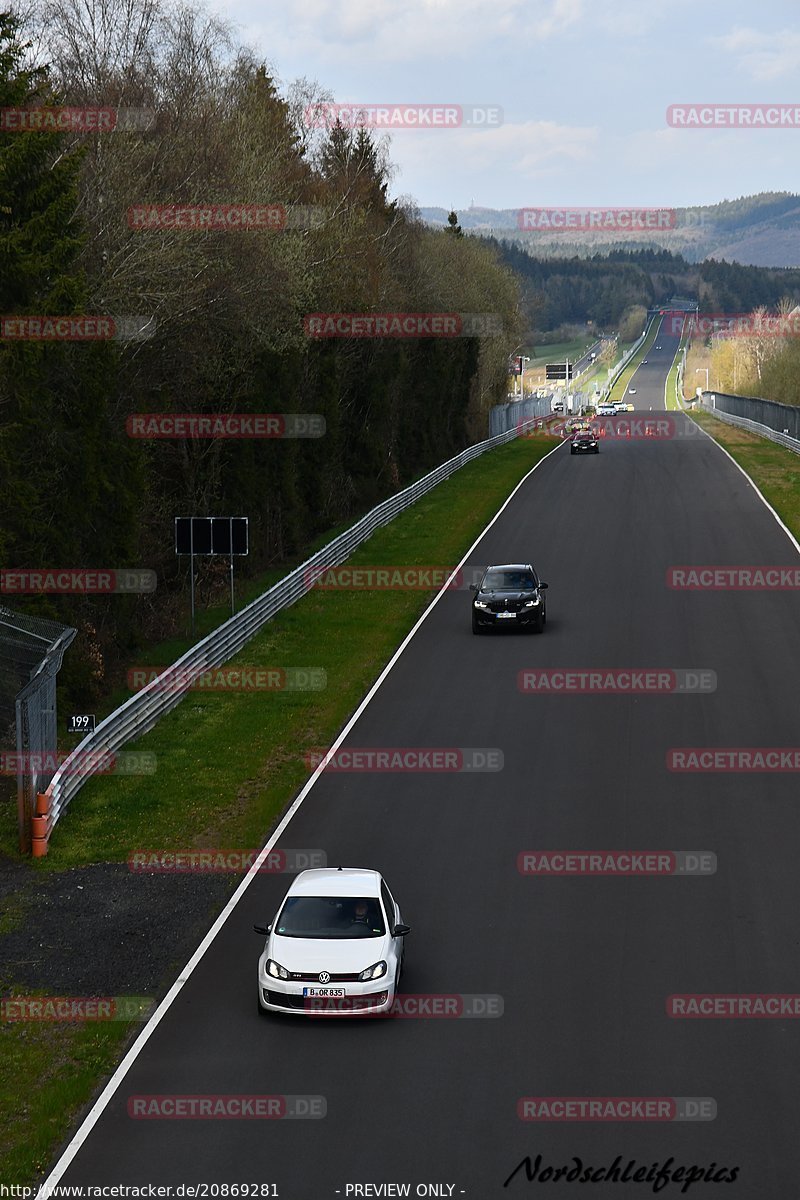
142	711
719	406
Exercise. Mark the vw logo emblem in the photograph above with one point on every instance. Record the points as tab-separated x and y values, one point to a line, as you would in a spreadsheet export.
324	977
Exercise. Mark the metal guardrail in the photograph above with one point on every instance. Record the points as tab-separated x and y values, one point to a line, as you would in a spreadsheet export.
782	439
142	711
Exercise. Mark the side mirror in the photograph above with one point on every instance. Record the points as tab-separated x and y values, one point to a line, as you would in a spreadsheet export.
473	587
263	929
542	586
401	930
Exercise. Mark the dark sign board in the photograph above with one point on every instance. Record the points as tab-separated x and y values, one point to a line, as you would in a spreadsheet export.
558	371
211	535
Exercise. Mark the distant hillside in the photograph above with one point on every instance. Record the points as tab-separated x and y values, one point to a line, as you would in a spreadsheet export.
762	231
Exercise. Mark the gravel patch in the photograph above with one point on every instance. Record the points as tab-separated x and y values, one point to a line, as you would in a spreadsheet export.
100	930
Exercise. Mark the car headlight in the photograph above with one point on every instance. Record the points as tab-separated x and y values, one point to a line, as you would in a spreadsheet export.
480	604
533	603
374	972
276	970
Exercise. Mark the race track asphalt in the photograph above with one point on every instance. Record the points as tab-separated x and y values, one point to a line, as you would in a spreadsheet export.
584	964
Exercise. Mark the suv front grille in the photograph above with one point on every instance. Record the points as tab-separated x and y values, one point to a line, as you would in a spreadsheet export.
506	605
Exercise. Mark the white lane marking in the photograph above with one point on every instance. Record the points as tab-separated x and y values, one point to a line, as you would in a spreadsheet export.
92	1117
738	466
753	485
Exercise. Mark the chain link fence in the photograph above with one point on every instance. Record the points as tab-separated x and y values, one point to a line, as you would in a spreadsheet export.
31	653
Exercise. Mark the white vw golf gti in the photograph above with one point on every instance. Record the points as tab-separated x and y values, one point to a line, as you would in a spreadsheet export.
335	947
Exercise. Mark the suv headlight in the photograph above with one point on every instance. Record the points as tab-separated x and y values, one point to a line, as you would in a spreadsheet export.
533	603
276	970
480	603
374	972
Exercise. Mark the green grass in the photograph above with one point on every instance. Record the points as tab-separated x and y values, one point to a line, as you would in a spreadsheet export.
773	469
559	351
49	1069
672	380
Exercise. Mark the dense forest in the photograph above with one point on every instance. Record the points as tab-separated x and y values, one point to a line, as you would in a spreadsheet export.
602	288
223	315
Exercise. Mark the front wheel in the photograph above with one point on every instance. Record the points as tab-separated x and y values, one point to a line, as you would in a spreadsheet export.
538	624
476	628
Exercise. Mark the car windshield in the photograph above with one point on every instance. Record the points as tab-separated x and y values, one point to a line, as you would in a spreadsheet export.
330	917
507	581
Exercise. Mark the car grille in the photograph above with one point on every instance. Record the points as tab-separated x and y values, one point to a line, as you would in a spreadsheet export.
313	977
506	605
285	1001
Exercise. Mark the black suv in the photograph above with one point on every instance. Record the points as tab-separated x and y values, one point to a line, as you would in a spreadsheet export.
509	596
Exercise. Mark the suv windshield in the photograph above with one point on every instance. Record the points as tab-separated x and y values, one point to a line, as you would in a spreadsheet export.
330	917
507	581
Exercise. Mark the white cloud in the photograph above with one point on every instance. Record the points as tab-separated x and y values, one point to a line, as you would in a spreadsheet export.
343	30
516	159
765	56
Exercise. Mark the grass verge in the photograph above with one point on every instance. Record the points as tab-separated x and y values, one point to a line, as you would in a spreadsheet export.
773	469
49	1071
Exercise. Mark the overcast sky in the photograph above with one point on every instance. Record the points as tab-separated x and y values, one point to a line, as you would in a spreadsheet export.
583	87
